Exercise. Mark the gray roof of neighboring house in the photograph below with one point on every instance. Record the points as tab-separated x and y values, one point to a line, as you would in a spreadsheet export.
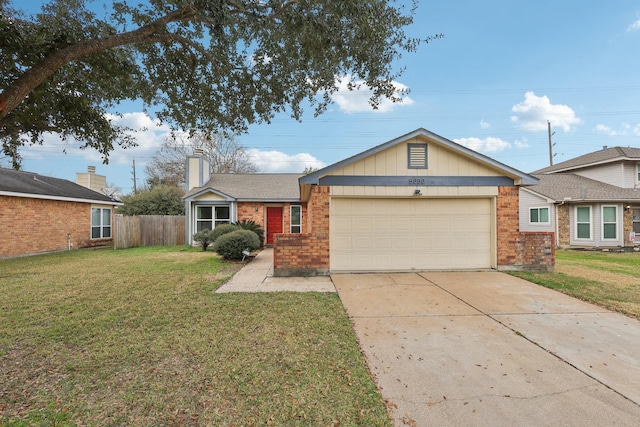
25	184
607	155
253	187
575	188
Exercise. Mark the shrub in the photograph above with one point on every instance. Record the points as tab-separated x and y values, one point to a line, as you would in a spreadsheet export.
251	225
221	230
204	238
231	245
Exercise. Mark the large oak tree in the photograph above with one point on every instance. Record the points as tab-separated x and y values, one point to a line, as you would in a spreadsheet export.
198	65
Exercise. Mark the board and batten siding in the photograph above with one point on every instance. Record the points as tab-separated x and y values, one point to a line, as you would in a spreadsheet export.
529	200
393	162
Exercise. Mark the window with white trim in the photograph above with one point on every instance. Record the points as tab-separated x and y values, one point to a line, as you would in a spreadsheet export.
209	217
296	219
539	215
609	223
583	222
638	174
100	223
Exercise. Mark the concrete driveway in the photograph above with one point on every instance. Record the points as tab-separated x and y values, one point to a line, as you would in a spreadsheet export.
486	348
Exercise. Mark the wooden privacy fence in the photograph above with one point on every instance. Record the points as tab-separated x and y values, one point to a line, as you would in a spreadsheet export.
148	230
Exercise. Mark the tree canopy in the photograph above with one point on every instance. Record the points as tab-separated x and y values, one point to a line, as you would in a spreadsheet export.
209	66
158	200
224	153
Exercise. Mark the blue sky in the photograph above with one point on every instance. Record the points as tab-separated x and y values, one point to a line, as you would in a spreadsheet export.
503	68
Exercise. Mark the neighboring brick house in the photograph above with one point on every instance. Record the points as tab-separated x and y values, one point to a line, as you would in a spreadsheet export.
418	202
588	201
42	214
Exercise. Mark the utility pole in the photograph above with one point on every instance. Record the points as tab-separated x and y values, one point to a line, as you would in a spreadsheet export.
550	146
135	190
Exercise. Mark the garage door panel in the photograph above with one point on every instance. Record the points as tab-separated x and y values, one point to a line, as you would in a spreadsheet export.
407	234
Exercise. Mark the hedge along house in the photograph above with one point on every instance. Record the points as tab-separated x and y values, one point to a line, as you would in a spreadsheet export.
418	202
41	214
271	200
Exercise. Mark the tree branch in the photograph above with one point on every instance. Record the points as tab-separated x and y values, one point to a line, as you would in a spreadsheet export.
18	90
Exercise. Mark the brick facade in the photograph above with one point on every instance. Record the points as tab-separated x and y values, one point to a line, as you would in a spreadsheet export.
306	254
31	226
564	227
256	212
520	250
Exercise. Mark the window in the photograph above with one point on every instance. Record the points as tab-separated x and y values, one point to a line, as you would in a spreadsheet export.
539	215
636	221
417	156
296	219
638	174
609	222
100	223
208	217
583	222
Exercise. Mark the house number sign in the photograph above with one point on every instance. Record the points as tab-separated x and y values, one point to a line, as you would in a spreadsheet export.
417	181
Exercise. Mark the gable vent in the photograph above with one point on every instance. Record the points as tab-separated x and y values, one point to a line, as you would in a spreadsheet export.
417	156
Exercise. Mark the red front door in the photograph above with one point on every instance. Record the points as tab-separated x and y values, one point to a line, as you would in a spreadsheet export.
274	222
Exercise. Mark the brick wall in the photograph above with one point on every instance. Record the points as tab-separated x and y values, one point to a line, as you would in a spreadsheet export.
306	254
508	223
564	227
247	210
627	227
520	250
30	226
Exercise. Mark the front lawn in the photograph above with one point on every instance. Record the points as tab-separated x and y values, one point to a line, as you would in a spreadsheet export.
608	279
137	337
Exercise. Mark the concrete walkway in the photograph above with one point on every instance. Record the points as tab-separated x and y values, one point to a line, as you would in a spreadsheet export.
480	349
257	276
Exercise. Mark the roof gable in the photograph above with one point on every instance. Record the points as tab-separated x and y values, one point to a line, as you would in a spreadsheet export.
30	184
607	155
476	163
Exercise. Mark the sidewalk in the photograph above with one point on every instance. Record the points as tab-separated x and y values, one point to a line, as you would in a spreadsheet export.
257	276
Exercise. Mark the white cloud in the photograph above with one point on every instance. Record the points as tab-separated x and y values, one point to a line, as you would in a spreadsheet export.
532	114
149	137
606	130
521	143
357	100
484	125
486	145
635	26
279	162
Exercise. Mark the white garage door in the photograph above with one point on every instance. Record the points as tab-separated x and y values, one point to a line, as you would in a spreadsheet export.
408	234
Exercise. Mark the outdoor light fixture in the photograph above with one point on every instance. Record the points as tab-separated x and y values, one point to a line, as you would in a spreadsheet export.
627	208
417	192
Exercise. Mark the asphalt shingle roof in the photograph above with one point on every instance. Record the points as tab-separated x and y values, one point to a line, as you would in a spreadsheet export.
597	157
21	182
253	186
568	186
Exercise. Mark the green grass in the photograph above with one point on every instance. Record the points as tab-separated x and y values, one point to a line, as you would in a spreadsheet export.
608	279
137	337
